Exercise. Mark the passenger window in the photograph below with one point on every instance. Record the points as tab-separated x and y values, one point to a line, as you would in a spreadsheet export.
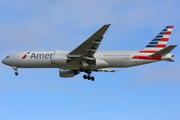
7	57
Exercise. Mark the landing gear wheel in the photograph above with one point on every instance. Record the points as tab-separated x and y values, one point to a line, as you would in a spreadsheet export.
16	73
84	76
16	69
81	69
88	77
92	78
88	71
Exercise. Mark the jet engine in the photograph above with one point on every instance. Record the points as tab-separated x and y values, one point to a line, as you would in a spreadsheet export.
67	73
59	59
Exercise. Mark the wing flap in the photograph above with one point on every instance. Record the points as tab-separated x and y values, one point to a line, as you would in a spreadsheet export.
105	70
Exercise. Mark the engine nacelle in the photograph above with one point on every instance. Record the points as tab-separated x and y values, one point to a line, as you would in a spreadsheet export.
59	59
101	63
67	73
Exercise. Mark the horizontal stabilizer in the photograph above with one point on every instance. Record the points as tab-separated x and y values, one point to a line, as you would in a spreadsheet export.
169	60
164	51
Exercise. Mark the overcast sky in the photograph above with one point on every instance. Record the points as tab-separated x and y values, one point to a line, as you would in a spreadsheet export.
147	92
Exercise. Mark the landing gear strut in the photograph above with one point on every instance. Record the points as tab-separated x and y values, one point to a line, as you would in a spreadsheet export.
16	70
88	76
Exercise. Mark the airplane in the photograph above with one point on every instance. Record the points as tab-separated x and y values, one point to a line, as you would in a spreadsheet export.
85	58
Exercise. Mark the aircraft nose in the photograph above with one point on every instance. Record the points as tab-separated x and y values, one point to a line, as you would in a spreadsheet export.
4	61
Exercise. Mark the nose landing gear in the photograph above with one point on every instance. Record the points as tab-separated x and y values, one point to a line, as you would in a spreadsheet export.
16	73
16	70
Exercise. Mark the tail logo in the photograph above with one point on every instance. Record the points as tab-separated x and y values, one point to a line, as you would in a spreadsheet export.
157	44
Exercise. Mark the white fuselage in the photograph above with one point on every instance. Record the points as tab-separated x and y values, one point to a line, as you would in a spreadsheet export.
42	59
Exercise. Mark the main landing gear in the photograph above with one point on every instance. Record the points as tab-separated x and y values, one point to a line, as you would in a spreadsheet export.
16	70
88	76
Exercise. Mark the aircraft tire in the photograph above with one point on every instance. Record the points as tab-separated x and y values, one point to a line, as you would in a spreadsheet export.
88	77
81	69
84	76
16	73
92	78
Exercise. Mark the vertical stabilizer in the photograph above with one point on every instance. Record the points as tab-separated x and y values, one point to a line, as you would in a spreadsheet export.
159	42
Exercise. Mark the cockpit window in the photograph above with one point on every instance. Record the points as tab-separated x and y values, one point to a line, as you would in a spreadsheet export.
7	57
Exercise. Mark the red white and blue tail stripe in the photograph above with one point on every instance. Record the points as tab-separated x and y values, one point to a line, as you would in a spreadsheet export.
159	42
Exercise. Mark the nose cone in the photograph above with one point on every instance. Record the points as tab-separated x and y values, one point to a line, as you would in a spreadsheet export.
4	61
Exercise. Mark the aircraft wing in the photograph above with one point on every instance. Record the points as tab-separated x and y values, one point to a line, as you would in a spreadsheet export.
90	46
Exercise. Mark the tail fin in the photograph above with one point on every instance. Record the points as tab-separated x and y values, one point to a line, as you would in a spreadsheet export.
159	42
